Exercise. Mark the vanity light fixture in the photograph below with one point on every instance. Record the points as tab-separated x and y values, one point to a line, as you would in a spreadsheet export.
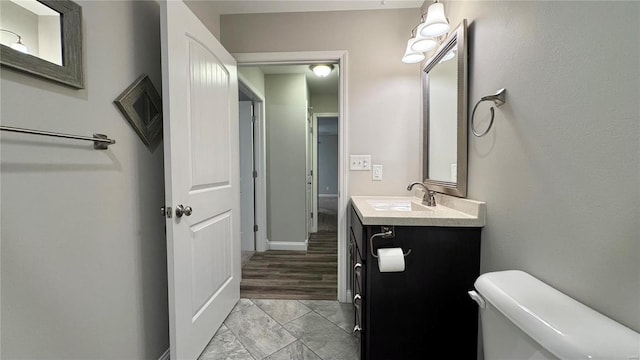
18	45
450	55
321	70
436	23
412	56
428	35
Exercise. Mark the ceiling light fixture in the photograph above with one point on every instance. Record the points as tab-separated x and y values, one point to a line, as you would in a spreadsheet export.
18	45
321	70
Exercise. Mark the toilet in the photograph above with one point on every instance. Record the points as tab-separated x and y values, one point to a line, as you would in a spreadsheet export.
524	318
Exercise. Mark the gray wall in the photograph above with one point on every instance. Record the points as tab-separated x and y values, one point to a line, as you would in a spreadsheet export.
560	171
325	103
383	93
207	13
83	247
286	119
254	76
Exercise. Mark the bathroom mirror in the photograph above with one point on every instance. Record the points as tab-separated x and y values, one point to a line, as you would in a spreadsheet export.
444	82
44	38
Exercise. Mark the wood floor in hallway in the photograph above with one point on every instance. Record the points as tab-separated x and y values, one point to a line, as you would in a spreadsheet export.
299	275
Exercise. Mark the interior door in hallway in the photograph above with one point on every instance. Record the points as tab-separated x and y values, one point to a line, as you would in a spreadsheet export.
247	187
200	103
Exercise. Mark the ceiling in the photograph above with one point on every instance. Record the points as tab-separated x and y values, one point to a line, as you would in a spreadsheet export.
268	6
317	85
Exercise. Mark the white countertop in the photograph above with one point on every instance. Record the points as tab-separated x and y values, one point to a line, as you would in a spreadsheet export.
449	211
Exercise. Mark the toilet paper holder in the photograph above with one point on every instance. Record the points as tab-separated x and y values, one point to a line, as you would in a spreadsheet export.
387	233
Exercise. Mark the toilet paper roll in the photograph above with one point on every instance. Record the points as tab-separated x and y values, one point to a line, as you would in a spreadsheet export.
391	260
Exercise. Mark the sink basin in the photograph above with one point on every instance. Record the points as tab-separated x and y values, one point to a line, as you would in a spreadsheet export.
397	205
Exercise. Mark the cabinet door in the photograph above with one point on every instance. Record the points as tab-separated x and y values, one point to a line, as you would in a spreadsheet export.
424	312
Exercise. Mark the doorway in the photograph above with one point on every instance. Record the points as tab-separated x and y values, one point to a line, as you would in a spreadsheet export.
291	232
326	165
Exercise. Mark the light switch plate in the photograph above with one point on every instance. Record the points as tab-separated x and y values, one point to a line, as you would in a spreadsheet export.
360	162
376	175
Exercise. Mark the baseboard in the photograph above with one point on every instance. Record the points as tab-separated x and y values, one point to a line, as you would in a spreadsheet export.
328	195
288	245
165	356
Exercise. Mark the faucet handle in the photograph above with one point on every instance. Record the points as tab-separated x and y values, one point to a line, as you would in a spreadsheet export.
429	198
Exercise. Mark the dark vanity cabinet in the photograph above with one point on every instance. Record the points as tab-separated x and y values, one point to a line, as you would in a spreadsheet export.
425	311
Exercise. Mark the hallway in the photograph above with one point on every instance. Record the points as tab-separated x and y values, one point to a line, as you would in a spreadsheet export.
300	275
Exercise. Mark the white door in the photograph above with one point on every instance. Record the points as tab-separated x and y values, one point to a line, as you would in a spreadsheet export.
200	109
310	175
246	176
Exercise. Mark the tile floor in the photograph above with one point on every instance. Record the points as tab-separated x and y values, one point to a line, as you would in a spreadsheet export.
286	330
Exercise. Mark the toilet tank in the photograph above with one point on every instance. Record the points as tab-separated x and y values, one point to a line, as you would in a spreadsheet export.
524	318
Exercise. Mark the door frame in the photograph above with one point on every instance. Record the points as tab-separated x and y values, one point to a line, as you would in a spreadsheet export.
310	57
316	174
259	160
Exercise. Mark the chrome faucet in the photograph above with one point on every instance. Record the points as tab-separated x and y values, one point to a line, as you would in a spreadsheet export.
429	196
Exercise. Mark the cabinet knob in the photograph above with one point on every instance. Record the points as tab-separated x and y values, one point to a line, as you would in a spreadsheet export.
357	329
357	266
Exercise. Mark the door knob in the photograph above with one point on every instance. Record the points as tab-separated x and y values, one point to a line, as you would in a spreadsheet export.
183	210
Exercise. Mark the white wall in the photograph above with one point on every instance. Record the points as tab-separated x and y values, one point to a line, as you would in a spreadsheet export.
560	171
22	21
286	121
50	45
383	112
83	243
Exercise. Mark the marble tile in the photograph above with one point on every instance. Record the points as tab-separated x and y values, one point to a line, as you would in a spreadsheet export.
324	338
223	329
225	346
282	311
341	314
295	351
241	304
257	331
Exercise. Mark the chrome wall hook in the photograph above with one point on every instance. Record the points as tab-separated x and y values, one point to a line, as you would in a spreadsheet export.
499	98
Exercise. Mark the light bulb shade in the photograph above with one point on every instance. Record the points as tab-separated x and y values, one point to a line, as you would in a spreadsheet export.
322	70
423	44
436	23
450	55
19	46
411	56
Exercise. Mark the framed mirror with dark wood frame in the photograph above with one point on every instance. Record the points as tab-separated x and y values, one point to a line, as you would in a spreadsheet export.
44	38
444	80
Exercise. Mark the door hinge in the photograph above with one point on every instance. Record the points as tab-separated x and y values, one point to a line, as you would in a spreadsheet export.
253	118
255	228
311	215
255	174
311	172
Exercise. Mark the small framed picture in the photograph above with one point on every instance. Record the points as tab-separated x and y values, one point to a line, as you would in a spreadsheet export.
141	105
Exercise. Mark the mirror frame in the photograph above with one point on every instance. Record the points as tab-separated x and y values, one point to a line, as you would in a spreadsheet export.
71	72
458	188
